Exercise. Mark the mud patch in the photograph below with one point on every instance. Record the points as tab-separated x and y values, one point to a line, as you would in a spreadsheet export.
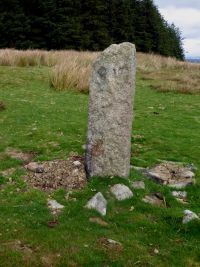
57	174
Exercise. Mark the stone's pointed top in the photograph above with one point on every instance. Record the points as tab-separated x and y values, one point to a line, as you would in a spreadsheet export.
119	47
98	202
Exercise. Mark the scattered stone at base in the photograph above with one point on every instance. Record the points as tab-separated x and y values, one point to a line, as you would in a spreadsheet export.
98	203
98	221
77	163
54	206
121	192
138	185
180	196
155	199
173	174
34	167
189	216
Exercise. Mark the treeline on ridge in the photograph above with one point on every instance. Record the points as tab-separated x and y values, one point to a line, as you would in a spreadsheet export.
87	25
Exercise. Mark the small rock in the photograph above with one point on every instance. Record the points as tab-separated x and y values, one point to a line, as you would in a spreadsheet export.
138	185
84	147
35	167
98	221
114	242
77	163
98	202
180	194
121	192
54	206
189	216
156	251
154	199
131	208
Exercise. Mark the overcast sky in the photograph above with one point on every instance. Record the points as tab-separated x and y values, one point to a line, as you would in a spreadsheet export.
186	15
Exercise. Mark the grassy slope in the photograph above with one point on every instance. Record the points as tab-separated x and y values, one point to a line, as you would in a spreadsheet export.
35	117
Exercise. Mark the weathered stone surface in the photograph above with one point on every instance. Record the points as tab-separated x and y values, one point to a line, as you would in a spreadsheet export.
189	216
171	174
112	89
138	185
121	192
98	202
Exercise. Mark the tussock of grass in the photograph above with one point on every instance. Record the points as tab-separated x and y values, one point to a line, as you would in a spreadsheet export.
71	69
74	73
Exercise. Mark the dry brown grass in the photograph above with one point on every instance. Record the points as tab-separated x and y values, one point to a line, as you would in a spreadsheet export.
168	74
73	72
71	69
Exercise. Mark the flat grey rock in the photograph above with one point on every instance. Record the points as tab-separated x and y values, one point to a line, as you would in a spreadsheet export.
172	174
98	203
138	185
112	87
189	216
121	192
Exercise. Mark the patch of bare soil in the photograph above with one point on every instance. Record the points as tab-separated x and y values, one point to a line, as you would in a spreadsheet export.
112	247
25	157
19	246
67	174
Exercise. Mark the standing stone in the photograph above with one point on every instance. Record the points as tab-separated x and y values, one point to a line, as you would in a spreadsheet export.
112	88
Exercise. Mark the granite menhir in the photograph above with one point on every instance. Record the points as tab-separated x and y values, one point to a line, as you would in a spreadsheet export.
112	88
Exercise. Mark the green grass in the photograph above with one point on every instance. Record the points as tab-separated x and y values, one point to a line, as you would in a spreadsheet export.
53	124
